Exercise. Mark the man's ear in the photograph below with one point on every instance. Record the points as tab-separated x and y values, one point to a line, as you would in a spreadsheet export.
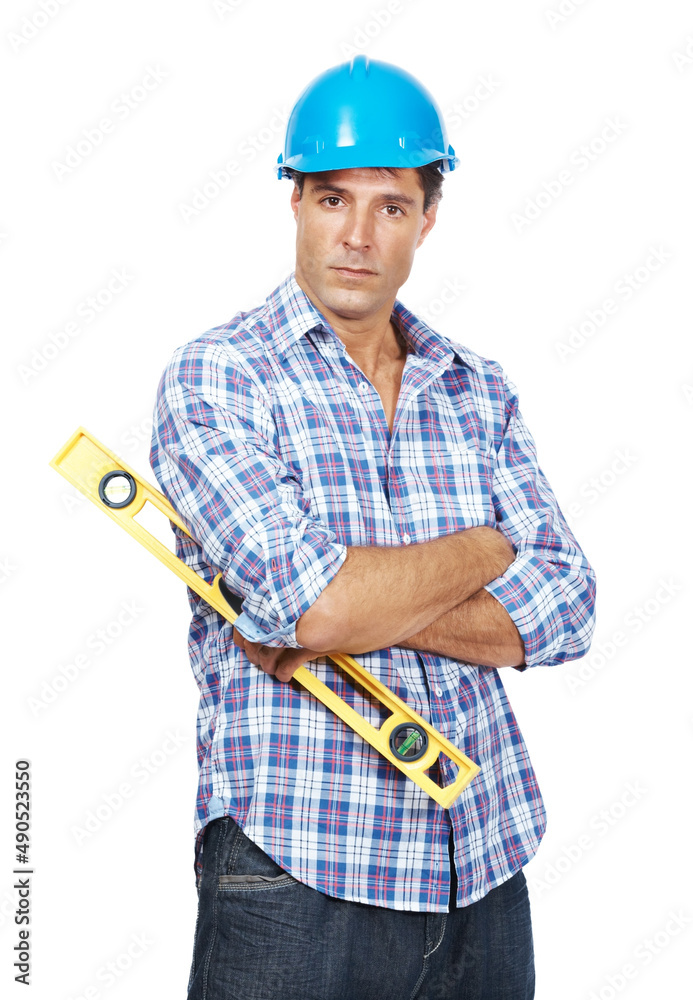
429	222
295	200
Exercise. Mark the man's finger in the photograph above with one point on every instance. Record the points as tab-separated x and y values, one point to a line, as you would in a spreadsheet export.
291	660
285	671
268	657
252	650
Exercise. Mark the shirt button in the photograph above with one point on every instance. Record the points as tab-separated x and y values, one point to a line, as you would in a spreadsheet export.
438	690
363	386
406	539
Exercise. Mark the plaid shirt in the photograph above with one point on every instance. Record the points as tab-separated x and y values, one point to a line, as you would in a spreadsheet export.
273	447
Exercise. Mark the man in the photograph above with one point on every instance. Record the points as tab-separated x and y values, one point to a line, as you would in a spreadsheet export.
364	485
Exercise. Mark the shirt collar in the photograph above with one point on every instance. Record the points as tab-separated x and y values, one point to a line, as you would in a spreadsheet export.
427	343
291	315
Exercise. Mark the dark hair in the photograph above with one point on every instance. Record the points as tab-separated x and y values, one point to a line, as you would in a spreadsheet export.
430	178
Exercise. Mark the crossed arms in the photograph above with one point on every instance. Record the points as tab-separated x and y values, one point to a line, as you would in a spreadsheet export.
428	596
519	593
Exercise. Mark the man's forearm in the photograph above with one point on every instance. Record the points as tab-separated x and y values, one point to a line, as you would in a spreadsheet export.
479	630
381	596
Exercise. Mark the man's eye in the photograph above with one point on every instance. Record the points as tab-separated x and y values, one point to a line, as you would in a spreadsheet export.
397	209
332	198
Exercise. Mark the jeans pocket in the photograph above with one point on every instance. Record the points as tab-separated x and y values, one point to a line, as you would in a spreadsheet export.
246	868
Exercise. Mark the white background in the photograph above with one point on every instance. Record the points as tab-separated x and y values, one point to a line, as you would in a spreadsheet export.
611	735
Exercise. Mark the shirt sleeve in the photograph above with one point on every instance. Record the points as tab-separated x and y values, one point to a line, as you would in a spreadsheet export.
214	453
549	590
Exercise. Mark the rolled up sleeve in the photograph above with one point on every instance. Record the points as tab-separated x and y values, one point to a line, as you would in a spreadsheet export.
214	454
549	590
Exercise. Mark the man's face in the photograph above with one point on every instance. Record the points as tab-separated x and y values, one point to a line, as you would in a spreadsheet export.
357	232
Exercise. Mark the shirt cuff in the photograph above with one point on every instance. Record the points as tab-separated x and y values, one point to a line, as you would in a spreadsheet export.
283	605
536	603
249	630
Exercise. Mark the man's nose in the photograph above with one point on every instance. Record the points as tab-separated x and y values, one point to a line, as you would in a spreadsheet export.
358	229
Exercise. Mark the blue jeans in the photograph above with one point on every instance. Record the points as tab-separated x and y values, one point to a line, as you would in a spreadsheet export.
261	935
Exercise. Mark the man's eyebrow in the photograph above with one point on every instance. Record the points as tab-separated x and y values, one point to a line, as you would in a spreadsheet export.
403	199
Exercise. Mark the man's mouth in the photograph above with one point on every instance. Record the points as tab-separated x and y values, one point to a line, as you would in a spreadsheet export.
353	272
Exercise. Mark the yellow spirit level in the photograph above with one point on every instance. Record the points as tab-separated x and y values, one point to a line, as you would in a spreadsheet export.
405	739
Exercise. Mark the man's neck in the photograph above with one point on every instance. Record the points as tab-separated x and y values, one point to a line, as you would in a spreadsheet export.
375	343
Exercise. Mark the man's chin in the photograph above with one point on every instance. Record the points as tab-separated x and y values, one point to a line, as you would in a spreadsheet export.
332	294
351	304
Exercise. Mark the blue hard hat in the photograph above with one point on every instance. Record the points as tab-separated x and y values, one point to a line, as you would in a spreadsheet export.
364	113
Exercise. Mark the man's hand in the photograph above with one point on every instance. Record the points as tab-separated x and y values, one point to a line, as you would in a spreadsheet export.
278	661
